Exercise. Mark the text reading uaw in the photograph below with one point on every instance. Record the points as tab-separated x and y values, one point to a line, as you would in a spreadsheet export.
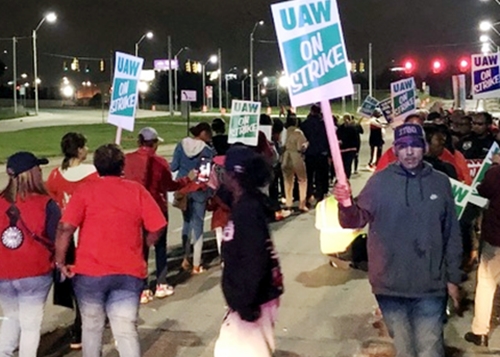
318	60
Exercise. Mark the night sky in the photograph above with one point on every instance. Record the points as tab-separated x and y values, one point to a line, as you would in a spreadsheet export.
421	29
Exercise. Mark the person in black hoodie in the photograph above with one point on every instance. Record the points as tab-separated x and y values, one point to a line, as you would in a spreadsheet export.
219	139
436	142
316	155
349	143
251	279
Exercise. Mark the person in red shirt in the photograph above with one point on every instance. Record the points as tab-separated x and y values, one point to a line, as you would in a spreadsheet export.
28	222
109	269
153	172
61	184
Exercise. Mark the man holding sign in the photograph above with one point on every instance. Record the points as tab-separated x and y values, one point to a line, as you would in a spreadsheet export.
414	244
489	267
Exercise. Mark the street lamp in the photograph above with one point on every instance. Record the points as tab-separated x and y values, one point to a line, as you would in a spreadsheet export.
176	75
213	60
148	35
51	18
257	24
485	26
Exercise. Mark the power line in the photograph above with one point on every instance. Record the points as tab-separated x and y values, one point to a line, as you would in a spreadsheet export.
17	38
71	57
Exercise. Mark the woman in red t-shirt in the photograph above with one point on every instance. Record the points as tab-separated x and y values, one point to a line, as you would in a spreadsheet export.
28	223
61	184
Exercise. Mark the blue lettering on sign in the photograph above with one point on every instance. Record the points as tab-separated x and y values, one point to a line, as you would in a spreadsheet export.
127	66
399	87
491	60
487	80
246	107
306	15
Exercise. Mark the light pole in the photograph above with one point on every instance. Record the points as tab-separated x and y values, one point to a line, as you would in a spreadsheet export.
257	24
148	35
14	71
51	18
227	88
176	59
245	72
213	59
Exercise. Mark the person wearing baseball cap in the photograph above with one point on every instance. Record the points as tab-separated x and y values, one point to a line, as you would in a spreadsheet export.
413	227
153	172
28	222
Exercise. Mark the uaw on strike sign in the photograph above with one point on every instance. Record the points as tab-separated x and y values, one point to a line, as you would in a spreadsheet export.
313	50
486	76
125	91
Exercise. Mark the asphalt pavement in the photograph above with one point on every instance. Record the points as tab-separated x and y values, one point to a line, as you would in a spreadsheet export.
324	311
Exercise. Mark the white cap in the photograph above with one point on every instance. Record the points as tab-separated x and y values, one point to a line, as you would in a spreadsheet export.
150	134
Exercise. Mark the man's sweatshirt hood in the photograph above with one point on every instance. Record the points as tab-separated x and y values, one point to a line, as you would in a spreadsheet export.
192	147
399	170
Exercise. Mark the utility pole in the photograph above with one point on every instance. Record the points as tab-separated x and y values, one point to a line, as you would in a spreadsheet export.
220	79
14	70
370	70
170	92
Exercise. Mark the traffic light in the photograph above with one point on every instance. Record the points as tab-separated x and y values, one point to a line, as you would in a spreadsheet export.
87	68
102	65
361	66
437	66
65	66
189	68
354	68
464	65
409	66
197	67
75	65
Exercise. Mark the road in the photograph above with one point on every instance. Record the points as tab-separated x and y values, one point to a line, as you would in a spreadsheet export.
324	311
56	117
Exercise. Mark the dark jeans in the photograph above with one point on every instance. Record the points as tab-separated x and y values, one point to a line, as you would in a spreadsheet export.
356	161
115	296
467	226
277	186
160	259
415	324
317	168
372	154
347	159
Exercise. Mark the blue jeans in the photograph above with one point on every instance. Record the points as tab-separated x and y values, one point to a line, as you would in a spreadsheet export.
415	324
116	296
194	217
22	302
160	259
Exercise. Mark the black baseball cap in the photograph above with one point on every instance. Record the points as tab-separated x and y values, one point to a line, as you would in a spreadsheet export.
23	161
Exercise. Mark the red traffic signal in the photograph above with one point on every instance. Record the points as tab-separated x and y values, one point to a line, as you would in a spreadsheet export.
409	66
437	66
464	65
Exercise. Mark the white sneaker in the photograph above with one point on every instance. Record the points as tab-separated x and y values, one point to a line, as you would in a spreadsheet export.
146	296
163	290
